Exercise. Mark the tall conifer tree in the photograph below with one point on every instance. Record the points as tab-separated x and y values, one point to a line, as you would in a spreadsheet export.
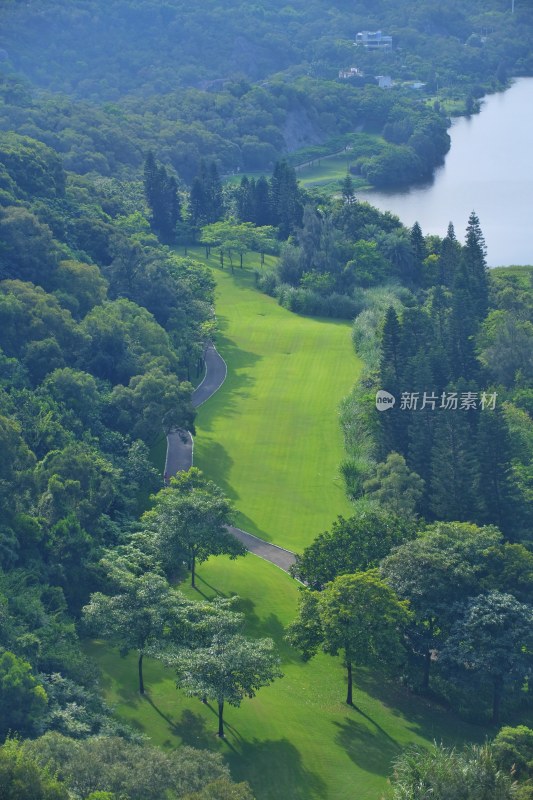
474	257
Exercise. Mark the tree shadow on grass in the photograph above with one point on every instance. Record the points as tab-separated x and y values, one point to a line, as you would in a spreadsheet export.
237	385
214	592
272	626
425	715
372	750
274	770
191	728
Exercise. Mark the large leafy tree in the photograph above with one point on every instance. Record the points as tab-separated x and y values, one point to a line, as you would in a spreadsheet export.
446	562
230	669
356	614
188	522
153	402
353	545
493	637
22	699
136	616
103	764
21	777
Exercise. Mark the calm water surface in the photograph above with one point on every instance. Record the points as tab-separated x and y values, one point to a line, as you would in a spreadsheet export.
489	169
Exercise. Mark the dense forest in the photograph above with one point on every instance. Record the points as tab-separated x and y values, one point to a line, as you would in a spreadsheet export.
119	127
253	85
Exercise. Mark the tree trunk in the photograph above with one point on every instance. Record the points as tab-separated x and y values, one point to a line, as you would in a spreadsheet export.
193	570
241	259
427	667
141	681
349	699
497	699
262	259
221	718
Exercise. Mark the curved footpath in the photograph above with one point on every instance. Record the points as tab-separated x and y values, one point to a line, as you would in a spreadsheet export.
180	453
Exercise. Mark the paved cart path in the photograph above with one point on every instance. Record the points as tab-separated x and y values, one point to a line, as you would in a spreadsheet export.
180	456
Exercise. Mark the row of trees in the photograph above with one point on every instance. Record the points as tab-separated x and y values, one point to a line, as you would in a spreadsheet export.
56	767
467	459
202	641
458	597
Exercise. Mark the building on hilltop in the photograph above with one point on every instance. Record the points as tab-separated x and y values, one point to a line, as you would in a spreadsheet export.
353	72
373	40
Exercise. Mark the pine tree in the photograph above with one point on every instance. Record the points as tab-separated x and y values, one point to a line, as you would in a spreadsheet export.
421	423
348	190
462	327
205	199
285	195
197	203
393	422
262	203
454	468
161	193
501	502
390	348
150	179
419	252
214	194
449	257
474	258
246	200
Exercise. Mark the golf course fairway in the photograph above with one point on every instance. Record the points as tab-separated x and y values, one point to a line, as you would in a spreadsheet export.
270	437
297	739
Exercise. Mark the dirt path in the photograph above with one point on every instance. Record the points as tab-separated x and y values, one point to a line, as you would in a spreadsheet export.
180	455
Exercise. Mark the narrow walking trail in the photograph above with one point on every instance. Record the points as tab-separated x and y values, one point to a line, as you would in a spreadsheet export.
180	457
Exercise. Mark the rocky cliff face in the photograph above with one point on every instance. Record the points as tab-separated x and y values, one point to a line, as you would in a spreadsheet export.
300	130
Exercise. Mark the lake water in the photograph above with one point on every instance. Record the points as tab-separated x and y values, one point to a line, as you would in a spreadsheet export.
489	169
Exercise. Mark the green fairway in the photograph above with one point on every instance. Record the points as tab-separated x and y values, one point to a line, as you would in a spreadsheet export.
270	437
327	173
297	739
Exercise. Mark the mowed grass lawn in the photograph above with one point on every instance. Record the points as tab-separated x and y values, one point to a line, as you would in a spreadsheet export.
270	437
328	172
297	739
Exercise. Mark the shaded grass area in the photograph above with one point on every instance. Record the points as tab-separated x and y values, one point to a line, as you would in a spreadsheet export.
270	437
327	174
329	166
297	739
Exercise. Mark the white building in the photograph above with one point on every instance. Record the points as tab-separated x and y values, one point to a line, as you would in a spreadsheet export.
353	72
